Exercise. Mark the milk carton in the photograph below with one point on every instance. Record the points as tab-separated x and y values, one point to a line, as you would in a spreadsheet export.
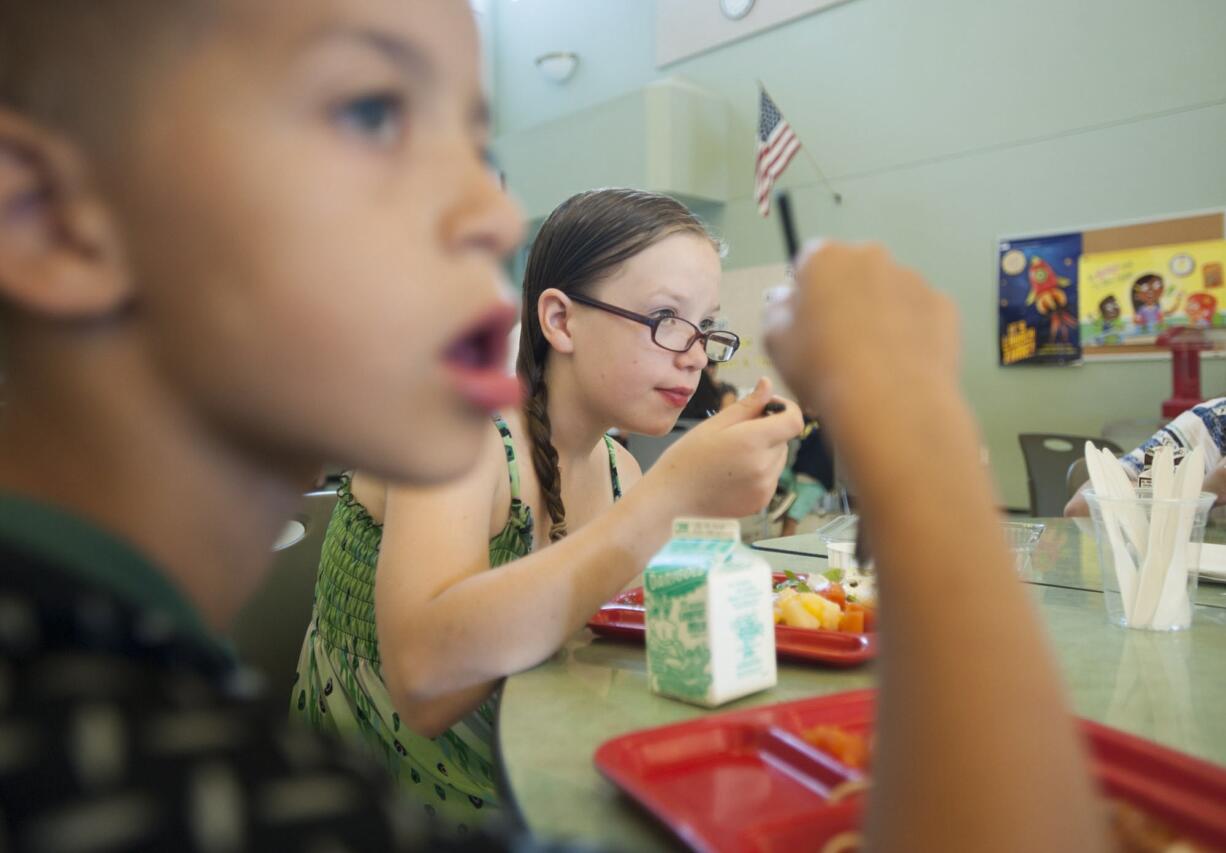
1146	480
710	626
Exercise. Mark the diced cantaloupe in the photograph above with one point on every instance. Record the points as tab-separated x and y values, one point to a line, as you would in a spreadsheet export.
853	621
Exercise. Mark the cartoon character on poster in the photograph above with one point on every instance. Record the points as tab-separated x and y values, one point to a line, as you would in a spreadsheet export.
1107	326
1038	306
1148	310
1201	308
1048	297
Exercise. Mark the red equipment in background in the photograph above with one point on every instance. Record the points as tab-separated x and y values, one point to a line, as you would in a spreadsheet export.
1186	344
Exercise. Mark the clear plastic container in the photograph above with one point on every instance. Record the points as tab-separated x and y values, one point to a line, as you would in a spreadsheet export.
1022	537
840	530
839	534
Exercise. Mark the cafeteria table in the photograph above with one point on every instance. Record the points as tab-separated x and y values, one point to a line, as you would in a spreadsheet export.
551	719
1065	556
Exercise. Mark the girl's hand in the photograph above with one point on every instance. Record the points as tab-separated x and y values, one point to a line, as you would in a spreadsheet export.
728	466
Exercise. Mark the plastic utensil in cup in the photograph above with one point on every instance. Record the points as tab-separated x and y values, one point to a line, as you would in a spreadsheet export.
1175	564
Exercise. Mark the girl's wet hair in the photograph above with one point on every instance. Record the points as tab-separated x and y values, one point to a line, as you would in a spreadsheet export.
585	240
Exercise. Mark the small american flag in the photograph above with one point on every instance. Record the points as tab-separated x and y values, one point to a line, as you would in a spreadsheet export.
777	145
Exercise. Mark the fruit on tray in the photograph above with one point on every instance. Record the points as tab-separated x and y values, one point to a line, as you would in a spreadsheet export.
797	605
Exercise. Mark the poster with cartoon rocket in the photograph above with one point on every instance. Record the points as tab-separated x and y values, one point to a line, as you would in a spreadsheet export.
1038	300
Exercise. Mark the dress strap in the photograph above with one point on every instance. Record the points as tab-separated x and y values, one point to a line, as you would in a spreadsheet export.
617	484
516	538
509	446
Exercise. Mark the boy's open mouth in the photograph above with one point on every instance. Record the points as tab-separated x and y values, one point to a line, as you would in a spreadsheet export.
477	359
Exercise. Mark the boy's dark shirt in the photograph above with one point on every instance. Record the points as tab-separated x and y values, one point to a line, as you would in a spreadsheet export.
125	725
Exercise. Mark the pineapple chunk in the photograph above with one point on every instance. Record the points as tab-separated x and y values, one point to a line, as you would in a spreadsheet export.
826	612
796	616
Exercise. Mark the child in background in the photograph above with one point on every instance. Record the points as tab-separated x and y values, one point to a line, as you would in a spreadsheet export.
727	395
1202	426
620	302
812	477
707	398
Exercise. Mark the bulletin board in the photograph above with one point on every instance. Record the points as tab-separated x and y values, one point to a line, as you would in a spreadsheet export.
1108	292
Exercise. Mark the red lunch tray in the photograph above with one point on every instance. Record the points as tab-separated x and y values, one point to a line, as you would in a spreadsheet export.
746	781
623	617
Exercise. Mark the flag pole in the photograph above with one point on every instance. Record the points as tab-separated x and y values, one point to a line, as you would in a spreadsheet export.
837	196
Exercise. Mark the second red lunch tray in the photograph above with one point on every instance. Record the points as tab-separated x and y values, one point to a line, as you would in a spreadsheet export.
746	782
624	617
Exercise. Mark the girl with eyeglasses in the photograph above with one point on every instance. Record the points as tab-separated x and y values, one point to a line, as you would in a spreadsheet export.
489	575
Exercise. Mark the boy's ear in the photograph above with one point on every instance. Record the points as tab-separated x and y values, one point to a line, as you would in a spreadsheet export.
553	311
60	251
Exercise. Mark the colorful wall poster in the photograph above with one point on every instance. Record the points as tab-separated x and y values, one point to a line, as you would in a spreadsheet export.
1039	300
1129	297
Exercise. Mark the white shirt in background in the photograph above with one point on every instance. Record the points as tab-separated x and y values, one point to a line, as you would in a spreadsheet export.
1201	426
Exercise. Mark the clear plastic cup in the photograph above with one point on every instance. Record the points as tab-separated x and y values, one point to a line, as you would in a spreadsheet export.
1022	537
839	534
1149	587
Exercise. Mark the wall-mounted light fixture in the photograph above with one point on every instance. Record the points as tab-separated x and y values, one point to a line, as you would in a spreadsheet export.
559	65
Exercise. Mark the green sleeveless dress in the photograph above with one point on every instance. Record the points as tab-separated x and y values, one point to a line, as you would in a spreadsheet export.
339	689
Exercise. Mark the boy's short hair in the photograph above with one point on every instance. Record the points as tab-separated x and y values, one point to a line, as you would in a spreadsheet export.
74	65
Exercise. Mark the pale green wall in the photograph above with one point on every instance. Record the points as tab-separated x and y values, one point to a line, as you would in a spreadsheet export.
945	124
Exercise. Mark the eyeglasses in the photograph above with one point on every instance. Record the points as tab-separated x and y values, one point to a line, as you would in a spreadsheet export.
673	333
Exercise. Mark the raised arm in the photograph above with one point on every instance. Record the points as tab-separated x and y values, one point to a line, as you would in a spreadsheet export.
976	749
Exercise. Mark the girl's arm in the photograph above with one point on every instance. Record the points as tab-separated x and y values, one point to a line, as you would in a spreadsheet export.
449	627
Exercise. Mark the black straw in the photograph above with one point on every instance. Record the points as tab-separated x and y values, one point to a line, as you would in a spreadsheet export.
784	203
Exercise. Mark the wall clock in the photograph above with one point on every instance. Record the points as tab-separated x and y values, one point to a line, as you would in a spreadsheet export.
735	9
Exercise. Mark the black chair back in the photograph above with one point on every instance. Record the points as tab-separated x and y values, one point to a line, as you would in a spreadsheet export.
1048	459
